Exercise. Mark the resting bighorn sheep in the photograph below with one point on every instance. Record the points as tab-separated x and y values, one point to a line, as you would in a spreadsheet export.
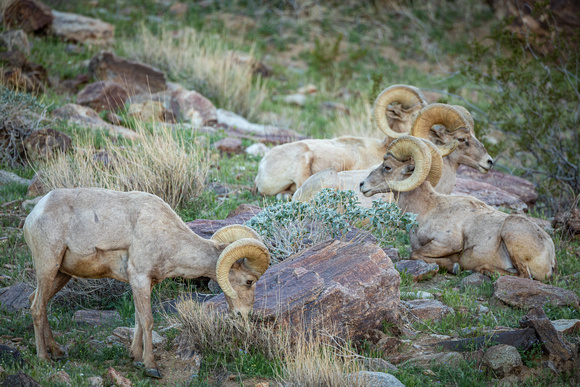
450	127
285	167
133	237
458	231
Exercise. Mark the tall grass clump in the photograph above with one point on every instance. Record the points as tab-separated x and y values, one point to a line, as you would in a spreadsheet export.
290	227
160	162
204	63
295	357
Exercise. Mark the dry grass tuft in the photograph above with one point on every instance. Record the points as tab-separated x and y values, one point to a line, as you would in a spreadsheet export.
358	123
158	163
306	358
204	63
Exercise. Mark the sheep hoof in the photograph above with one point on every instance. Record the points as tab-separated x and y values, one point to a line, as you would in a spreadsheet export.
138	364
456	269
153	373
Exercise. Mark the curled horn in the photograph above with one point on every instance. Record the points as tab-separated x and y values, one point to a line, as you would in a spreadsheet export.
441	114
437	160
257	258
404	148
233	232
466	114
408	96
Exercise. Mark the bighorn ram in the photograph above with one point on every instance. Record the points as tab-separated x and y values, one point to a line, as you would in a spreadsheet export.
458	231
285	167
444	125
133	237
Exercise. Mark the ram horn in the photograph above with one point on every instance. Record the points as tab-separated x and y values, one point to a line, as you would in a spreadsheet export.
233	232
257	259
440	114
402	149
436	170
466	114
408	96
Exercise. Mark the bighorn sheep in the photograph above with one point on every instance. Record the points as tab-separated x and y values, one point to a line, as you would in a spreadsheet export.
442	124
458	231
133	237
285	167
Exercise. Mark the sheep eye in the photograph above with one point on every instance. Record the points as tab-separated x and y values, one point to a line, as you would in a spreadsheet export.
386	168
461	139
249	282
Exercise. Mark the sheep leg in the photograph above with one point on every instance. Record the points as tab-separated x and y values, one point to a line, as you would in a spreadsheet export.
41	296
59	282
137	343
141	287
436	252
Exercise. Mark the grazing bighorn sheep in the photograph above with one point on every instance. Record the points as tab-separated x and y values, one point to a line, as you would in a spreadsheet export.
133	237
458	231
285	167
450	127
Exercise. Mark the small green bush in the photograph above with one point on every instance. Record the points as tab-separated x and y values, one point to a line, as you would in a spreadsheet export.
290	227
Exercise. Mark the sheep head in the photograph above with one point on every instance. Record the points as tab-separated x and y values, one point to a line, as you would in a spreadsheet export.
240	265
396	120
408	162
443	124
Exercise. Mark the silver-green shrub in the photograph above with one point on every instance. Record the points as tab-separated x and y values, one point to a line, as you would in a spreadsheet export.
289	227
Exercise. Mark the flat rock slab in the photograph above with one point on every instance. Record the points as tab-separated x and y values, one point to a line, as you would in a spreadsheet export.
20	380
552	342
103	95
435	359
15	297
82	29
125	336
418	268
526	293
567	326
97	317
519	338
489	194
138	78
375	379
427	309
207	227
515	185
347	287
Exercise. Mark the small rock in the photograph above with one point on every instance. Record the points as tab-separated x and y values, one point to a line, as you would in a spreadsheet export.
295	99
82	29
179	9
37	186
567	326
483	309
475	280
150	111
509	381
189	105
257	149
378	364
526	293
11	357
229	145
96	317
308	89
61	377
439	359
20	380
45	142
418	268
29	15
502	359
15	298
15	40
116	378
418	295
9	178
103	95
95	381
375	379
549	365
427	309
